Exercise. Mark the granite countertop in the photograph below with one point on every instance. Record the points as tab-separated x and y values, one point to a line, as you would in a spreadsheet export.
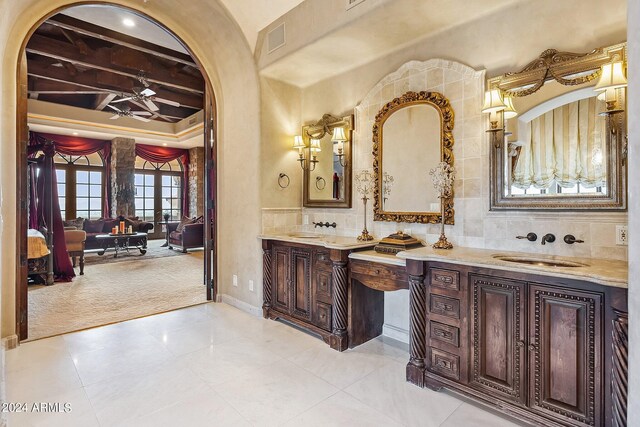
374	256
327	241
604	272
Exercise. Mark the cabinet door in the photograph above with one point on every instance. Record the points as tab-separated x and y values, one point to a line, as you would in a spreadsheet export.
300	286
280	278
565	358
499	330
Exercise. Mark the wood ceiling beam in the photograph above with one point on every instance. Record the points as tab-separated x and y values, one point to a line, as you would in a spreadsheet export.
100	81
95	31
121	60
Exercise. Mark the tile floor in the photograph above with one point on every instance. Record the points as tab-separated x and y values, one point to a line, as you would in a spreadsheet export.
214	365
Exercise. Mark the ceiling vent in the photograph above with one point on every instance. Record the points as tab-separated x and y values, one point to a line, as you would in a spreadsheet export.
275	38
353	3
193	120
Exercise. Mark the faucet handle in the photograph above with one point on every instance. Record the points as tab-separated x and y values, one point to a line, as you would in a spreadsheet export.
532	237
570	239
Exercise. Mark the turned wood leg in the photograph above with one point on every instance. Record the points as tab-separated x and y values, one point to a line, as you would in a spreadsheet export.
620	368
73	261
339	338
418	328
266	281
82	264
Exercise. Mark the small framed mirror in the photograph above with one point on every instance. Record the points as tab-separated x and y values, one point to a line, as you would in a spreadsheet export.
562	144
327	170
411	135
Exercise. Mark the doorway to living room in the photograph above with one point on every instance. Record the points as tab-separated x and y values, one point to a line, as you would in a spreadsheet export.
117	169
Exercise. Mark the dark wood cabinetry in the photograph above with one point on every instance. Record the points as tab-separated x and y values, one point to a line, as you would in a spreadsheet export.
537	347
307	285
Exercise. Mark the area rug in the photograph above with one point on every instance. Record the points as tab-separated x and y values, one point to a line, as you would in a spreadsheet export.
154	250
114	292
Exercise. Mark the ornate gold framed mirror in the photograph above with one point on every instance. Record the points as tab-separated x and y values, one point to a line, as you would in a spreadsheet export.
327	170
561	144
411	135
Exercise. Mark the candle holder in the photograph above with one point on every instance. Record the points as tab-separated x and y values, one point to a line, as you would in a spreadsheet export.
364	187
443	176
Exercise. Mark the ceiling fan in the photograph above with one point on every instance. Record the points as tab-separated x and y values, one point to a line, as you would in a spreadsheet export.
126	112
146	96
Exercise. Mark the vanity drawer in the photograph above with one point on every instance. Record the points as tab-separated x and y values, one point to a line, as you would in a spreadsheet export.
381	277
444	306
444	333
445	364
445	279
323	316
322	260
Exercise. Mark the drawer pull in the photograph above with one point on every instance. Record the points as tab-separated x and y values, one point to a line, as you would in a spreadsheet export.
443	306
442	334
520	343
443	364
444	279
533	347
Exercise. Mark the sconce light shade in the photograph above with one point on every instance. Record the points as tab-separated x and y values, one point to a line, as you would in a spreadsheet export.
298	142
315	145
509	111
493	101
612	77
338	135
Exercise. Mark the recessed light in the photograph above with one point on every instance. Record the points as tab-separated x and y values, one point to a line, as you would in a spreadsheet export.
75	134
128	22
164	143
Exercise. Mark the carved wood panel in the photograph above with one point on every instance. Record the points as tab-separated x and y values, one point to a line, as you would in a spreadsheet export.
499	324
565	354
620	368
280	282
300	298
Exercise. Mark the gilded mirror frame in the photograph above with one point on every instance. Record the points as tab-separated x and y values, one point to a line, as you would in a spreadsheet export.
445	111
317	130
570	69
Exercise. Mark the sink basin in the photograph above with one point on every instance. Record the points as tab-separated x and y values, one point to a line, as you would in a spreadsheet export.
305	235
546	262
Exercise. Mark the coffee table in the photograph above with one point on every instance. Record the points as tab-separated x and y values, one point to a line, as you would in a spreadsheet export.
122	242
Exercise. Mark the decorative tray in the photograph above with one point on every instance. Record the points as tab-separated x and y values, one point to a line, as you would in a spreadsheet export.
397	242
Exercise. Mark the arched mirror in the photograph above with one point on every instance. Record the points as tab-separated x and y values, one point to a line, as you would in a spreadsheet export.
411	135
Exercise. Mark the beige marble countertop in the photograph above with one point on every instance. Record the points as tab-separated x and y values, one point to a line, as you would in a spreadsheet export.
374	256
604	272
327	241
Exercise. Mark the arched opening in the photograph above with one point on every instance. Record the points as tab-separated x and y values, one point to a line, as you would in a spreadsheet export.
72	206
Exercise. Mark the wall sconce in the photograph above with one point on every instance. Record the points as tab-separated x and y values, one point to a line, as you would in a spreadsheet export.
611	81
339	138
493	104
298	144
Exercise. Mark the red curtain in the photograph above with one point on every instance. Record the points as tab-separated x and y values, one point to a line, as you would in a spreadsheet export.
151	153
76	146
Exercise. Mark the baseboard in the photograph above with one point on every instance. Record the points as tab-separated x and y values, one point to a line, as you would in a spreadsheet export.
395	333
239	304
10	342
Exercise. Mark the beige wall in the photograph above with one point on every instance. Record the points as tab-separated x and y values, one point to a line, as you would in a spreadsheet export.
219	44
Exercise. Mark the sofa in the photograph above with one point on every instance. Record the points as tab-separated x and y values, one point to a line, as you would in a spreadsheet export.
104	226
187	234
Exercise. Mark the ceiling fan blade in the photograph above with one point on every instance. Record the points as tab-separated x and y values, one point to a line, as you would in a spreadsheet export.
147	92
150	104
142	119
114	108
141	113
167	101
122	100
114	117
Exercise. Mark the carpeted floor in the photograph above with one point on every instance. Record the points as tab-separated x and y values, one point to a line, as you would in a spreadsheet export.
114	292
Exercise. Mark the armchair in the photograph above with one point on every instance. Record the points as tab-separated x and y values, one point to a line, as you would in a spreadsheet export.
191	236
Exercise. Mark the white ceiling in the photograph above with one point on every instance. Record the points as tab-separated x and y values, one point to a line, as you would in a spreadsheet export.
112	17
253	15
385	29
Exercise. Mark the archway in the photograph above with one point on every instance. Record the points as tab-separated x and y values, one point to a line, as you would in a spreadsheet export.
210	150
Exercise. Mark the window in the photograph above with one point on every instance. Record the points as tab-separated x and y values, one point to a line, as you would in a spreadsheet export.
158	190
80	184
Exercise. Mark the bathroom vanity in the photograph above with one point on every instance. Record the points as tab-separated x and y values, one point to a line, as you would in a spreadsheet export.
544	343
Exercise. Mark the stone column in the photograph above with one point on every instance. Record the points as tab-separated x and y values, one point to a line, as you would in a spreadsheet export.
196	181
123	158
